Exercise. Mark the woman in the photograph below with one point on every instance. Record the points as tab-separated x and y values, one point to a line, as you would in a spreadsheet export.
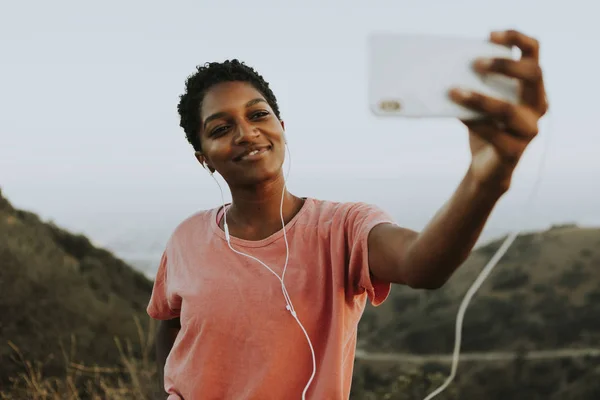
252	310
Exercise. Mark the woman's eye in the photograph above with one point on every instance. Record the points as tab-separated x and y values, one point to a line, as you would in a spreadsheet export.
260	114
219	130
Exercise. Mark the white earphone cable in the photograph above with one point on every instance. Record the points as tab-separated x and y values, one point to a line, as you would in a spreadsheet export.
487	270
288	300
463	306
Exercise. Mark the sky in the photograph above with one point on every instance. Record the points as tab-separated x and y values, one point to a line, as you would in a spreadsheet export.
90	136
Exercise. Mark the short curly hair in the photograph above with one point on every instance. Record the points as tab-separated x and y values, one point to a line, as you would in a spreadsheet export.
203	79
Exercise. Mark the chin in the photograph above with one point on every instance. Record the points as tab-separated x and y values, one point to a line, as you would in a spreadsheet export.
258	176
264	176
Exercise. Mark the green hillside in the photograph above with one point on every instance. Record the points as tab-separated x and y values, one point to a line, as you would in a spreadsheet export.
73	322
61	296
543	295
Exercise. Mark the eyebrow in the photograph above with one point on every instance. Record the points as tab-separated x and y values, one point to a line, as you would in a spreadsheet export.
222	114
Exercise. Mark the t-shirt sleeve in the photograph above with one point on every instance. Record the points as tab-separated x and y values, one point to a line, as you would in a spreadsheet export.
361	218
163	303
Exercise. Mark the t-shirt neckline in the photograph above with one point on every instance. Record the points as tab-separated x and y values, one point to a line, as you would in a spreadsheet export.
308	203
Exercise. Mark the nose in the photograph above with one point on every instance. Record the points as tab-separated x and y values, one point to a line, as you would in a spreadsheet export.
245	132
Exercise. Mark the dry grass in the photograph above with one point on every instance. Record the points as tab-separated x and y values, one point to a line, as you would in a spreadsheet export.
134	378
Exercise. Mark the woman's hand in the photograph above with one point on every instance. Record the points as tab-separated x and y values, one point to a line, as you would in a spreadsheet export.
499	139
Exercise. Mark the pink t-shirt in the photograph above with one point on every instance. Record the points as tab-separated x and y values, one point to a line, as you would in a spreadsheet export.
237	340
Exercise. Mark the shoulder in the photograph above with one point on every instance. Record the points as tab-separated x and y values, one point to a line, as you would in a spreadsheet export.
196	224
345	212
337	207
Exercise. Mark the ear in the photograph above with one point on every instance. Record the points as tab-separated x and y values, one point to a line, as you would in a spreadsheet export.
200	157
202	160
283	134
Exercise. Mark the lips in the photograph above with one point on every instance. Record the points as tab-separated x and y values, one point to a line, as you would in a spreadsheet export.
253	153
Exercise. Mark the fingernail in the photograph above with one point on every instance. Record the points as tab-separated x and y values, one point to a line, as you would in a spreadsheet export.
497	35
460	94
482	64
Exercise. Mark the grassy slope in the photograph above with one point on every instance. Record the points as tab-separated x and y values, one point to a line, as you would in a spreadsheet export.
545	293
55	284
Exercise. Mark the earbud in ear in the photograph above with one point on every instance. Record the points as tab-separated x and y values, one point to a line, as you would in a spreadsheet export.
206	167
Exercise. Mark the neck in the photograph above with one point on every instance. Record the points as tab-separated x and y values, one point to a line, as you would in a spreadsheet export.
255	212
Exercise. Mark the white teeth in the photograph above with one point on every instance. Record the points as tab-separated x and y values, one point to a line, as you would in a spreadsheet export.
253	152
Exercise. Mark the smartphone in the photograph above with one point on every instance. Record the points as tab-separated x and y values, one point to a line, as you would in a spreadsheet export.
410	75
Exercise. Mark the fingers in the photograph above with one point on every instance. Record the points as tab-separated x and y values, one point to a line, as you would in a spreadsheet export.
530	47
517	120
510	148
526	69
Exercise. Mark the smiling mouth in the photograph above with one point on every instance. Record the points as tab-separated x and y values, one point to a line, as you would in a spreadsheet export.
255	154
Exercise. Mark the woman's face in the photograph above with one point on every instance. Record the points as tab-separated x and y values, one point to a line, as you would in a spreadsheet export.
241	137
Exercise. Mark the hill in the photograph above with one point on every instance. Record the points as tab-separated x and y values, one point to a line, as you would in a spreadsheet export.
61	296
542	296
545	293
65	302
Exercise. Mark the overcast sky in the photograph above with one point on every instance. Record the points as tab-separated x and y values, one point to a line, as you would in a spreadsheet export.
90	137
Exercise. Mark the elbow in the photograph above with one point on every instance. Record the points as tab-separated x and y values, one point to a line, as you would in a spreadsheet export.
427	279
427	284
421	272
434	284
425	273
